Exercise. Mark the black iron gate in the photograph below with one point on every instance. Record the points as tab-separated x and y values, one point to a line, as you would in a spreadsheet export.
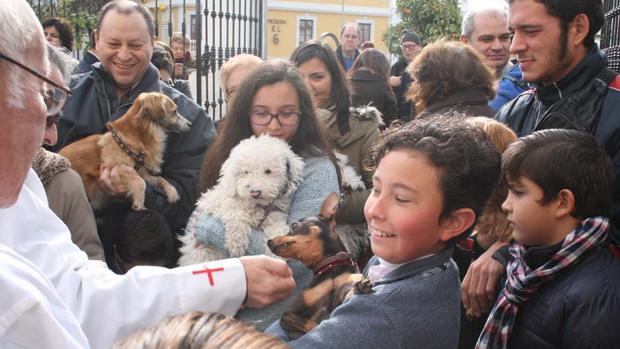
219	29
610	34
231	27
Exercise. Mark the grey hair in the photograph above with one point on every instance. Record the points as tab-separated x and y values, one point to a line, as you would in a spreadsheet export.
354	25
468	25
22	39
62	61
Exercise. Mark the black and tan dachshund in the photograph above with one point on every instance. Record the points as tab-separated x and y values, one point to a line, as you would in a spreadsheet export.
314	242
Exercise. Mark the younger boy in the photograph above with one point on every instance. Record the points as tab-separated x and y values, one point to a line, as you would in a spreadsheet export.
432	181
144	239
563	286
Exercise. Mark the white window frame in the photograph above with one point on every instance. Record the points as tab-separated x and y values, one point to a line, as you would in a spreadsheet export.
372	28
307	18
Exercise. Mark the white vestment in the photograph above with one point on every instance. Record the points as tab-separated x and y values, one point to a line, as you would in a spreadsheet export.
110	306
31	313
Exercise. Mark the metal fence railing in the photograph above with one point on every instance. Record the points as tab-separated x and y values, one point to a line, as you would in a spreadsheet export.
218	30
610	34
231	27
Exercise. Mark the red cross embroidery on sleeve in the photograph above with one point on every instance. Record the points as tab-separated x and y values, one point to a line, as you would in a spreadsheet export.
209	273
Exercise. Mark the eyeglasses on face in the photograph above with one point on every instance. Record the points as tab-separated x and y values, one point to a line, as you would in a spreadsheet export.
53	93
409	46
285	118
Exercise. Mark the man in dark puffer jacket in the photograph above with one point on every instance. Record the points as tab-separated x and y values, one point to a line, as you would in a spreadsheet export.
554	42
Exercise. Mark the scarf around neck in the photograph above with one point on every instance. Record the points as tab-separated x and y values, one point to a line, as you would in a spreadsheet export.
47	165
523	282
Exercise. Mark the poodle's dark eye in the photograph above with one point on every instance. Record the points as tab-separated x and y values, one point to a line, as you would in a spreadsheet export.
246	172
267	171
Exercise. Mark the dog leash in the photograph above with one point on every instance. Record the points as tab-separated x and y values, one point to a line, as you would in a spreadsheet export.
138	158
329	263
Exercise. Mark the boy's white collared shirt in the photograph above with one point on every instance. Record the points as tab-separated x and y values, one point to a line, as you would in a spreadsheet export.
378	271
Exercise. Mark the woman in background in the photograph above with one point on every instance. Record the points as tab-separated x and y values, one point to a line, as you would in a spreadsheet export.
369	84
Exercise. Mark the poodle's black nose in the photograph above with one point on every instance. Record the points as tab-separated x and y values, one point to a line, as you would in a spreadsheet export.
255	193
294	226
269	243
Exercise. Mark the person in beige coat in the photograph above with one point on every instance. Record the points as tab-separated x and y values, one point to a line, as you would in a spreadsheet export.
67	199
63	186
352	131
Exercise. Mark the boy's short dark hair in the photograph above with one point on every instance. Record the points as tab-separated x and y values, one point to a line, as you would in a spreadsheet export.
145	239
468	162
557	159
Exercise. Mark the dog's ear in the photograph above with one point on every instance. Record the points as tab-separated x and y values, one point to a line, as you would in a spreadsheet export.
329	208
151	105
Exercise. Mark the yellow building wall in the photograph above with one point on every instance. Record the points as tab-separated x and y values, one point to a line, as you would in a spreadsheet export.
365	3
282	28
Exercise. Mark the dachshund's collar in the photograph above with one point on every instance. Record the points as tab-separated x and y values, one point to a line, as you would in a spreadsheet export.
138	158
329	263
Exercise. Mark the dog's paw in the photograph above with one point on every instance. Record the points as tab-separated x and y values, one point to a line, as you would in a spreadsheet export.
137	206
171	193
363	286
356	184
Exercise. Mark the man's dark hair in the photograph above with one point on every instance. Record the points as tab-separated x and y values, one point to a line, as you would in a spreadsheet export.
559	159
127	7
64	31
145	239
468	163
567	10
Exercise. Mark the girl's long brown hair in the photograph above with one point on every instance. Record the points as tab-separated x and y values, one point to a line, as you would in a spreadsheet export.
309	139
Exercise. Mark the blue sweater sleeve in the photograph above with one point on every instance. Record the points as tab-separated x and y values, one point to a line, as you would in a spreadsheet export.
320	179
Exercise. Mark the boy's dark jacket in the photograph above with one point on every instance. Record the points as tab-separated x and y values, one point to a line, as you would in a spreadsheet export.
582	101
578	309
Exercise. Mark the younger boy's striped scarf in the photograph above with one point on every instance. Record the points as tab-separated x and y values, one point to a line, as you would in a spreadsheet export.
523	282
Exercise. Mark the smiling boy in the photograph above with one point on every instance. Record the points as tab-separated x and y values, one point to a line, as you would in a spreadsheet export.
432	178
563	286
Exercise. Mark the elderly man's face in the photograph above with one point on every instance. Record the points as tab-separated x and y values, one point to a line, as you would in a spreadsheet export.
349	39
177	50
491	38
125	47
23	122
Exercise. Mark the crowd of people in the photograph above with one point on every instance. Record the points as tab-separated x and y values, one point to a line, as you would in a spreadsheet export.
491	202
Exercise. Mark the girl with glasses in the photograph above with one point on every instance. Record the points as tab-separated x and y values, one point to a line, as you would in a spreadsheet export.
273	99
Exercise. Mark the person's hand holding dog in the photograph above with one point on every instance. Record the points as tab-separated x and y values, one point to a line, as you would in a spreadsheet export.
479	287
110	179
269	280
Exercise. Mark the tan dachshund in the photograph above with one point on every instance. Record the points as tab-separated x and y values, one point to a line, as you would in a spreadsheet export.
137	139
314	242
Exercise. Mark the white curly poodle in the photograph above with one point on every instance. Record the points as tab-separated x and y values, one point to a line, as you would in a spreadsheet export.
254	191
